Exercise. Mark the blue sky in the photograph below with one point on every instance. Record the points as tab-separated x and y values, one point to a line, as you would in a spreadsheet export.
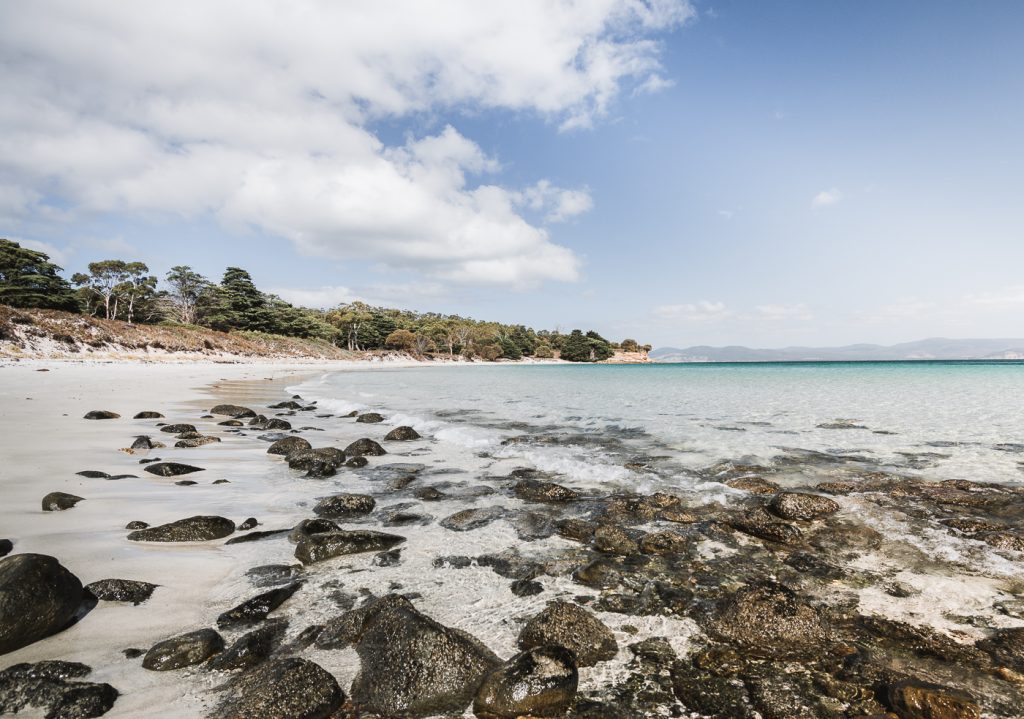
724	173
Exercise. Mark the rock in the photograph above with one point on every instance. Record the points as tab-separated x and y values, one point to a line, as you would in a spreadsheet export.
318	547
38	597
664	543
578	530
221	481
412	666
142	442
45	685
172	469
534	490
178	428
913	699
526	587
306	459
121	590
754	485
370	418
247	524
363	447
200	528
256	609
231	423
614	540
285	405
186	482
600	574
341	506
795	505
268	575
257	536
401	434
252	648
768	620
469	519
573	627
93	474
308	527
136	524
196	442
56	501
1003	540
289	688
429	494
148	415
6	546
1007	647
759	523
540	682
183	651
101	414
357	463
276	423
288	445
233	410
390	558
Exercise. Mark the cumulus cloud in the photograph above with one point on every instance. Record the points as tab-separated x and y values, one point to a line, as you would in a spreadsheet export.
262	115
826	198
57	255
390	295
702	311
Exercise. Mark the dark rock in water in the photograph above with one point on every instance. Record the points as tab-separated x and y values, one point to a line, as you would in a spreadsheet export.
93	474
285	405
364	446
196	442
357	463
148	415
573	627
38	597
600	574
341	506
754	485
290	688
56	501
172	469
273	436
247	524
412	666
257	536
252	648
390	558
579	530
534	490
469	519
200	528
720	697
769	620
221	481
1003	540
45	685
256	609
121	590
273	574
1006	647
279	424
288	445
231	423
540	682
454	562
233	410
429	494
308	527
370	418
307	459
353	413
101	414
400	434
183	651
318	547
186	482
913	699
526	588
795	505
133	653
6	546
136	524
614	540
759	523
122	476
142	442
664	543
178	428
321	470
189	435
401	515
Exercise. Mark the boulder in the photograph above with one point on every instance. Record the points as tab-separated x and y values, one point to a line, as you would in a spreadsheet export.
796	505
666	542
247	524
318	547
101	414
121	590
287	445
534	490
183	651
306	459
370	418
47	686
341	506
357	463
411	665
768	620
233	410
913	699
172	469
136	524
308	527
252	648
285	405
196	442
289	688
401	434
142	442
200	528
539	682
278	424
754	485
93	474
573	627
469	519
759	523
1007	647
363	447
614	540
256	609
6	546
148	415
56	501
38	597
178	428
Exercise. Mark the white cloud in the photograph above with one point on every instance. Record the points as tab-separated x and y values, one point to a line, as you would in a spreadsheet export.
826	198
320	297
389	295
57	255
259	114
559	204
784	312
702	311
1005	298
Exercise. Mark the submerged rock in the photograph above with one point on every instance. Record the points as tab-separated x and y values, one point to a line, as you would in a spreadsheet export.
402	434
769	620
277	423
469	519
754	485
796	505
913	699
357	463
290	688
340	506
370	418
534	490
318	547
759	523
252	648
142	442
287	445
172	469
121	590
46	685
200	528
38	597
233	410
539	682
363	447
148	415
57	501
411	665
256	609
307	459
101	414
196	442
248	524
178	428
183	651
573	627
93	474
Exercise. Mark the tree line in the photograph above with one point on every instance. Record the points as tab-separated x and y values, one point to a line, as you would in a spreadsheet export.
120	290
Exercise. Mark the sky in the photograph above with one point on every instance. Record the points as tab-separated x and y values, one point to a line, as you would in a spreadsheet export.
757	173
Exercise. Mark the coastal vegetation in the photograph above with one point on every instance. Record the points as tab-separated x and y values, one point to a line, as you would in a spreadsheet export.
124	291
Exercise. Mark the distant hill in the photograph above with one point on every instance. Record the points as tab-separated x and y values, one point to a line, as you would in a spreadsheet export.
936	348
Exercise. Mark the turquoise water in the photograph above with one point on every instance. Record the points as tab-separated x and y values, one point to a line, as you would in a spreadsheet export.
937	419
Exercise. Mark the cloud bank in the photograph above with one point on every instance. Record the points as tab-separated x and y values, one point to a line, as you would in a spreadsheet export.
262	115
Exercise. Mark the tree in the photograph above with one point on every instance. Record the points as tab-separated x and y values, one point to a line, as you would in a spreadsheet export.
630	346
576	348
28	279
136	288
242	306
187	290
101	284
544	351
490	352
401	340
350	319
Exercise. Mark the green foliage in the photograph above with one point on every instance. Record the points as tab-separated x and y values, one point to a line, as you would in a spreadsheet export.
543	351
629	345
28	279
188	292
401	340
589	347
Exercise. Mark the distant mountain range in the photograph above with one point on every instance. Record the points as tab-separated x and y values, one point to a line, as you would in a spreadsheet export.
930	349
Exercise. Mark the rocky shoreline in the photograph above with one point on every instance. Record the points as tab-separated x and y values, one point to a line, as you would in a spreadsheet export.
591	604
